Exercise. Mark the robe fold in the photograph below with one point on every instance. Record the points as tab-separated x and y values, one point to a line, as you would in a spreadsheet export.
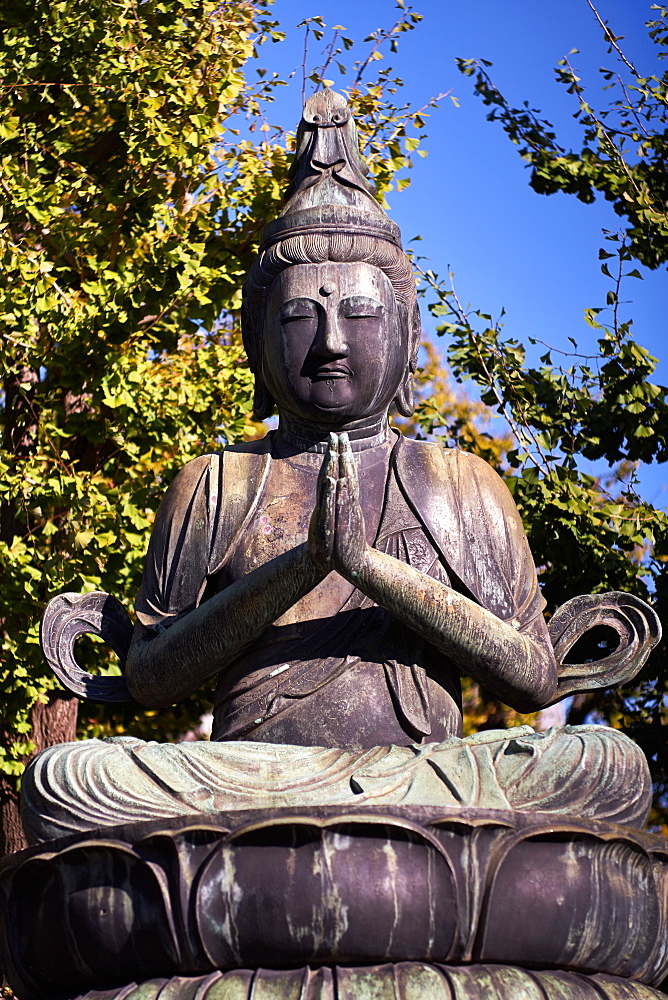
446	513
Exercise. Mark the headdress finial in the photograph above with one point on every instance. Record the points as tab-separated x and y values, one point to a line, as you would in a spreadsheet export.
329	188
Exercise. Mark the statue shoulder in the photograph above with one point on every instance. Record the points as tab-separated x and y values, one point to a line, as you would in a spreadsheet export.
190	485
244	467
222	489
206	507
429	465
244	455
261	446
472	519
172	581
216	480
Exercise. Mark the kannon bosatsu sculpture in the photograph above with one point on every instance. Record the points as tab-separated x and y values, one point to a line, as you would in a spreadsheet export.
334	575
338	578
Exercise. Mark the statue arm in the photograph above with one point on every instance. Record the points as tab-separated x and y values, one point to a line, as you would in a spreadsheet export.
165	667
514	659
166	664
517	667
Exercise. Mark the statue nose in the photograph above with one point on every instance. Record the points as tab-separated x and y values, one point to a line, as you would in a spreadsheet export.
330	342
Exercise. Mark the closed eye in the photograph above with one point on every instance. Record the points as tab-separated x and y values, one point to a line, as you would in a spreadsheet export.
298	310
360	307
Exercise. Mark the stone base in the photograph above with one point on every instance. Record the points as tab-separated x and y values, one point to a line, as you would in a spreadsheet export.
401	981
472	888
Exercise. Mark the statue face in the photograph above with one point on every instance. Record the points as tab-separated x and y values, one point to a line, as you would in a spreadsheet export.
332	350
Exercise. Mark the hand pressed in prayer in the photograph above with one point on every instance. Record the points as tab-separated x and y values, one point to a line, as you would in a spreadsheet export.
337	538
322	525
350	544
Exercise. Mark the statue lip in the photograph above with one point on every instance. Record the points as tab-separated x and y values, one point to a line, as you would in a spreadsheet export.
337	371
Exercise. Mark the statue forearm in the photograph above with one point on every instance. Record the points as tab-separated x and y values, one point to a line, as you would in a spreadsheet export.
518	669
161	669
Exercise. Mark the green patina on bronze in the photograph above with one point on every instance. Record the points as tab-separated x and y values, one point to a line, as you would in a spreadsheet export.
337	579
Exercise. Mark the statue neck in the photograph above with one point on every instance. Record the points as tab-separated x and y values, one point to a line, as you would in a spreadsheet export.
295	436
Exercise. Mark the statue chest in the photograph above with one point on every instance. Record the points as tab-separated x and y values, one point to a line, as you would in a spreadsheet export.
281	522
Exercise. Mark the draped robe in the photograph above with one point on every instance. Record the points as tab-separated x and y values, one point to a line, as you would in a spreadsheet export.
446	513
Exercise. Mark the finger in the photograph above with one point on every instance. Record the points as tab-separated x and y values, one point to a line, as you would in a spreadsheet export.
327	499
342	527
342	492
322	525
344	447
348	469
330	463
328	513
350	541
329	493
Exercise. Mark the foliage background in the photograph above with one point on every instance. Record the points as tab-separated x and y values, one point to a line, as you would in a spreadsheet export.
133	192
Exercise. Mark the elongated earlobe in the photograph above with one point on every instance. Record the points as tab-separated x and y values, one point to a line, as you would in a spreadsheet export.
405	397
263	402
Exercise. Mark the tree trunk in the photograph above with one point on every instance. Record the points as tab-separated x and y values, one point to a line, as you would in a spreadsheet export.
21	411
54	722
11	832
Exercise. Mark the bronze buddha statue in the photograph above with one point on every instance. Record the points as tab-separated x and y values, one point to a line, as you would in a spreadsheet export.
336	576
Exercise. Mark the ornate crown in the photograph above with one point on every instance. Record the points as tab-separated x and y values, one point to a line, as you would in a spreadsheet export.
329	188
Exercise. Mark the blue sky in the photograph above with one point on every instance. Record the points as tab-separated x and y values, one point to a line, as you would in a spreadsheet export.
469	200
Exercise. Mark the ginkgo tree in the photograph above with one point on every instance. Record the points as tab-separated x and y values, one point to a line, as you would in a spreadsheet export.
137	167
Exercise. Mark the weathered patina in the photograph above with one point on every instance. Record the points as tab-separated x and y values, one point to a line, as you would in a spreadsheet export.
275	888
337	579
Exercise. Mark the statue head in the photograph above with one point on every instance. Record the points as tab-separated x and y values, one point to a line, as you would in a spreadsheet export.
330	318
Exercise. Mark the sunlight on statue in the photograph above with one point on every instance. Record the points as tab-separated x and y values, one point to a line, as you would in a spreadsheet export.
335	576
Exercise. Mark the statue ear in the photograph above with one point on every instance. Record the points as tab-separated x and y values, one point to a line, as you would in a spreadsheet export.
263	402
405	397
412	330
